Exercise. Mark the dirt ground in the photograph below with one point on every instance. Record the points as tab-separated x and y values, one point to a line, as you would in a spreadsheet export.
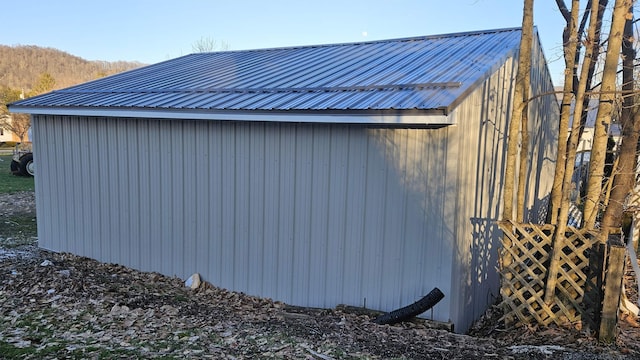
57	305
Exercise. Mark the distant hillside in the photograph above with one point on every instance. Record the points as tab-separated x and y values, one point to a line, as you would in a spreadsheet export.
22	66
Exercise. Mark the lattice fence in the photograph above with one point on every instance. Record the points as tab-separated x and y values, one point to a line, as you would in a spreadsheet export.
525	260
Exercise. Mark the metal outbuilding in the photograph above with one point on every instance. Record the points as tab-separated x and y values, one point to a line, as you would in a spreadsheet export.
361	173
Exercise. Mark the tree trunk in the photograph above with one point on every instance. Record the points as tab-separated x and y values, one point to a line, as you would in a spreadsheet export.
519	105
580	101
516	115
624	173
524	70
605	109
570	43
595	54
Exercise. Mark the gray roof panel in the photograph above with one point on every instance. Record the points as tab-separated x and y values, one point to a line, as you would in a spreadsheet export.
422	73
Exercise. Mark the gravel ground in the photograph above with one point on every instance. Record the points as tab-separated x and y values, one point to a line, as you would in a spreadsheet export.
57	305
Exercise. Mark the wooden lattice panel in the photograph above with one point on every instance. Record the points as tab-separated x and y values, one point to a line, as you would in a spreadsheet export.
525	258
572	273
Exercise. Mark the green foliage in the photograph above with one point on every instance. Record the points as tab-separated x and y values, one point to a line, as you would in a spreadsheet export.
45	83
10	183
7	95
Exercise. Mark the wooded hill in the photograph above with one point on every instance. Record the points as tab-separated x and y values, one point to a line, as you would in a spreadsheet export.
22	67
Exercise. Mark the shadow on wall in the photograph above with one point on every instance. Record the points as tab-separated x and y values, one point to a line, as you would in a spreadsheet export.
484	260
417	193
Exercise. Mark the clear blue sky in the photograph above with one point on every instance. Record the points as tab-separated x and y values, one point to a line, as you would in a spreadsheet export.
151	31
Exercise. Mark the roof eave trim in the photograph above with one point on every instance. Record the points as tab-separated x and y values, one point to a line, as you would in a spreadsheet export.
379	117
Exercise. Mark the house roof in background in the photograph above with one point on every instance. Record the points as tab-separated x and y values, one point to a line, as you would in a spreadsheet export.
592	113
427	74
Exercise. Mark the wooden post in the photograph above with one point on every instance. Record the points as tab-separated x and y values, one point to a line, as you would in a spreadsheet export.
612	291
505	262
593	287
554	265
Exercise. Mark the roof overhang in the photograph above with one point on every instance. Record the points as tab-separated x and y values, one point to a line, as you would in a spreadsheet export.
381	117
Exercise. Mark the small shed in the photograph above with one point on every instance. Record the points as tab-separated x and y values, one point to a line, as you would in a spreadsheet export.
363	174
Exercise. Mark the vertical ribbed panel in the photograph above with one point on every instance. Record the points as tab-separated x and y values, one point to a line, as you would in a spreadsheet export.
478	143
311	215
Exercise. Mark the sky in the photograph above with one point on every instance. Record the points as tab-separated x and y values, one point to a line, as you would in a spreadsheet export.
151	31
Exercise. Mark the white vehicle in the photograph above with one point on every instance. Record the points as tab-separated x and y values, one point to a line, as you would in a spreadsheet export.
22	161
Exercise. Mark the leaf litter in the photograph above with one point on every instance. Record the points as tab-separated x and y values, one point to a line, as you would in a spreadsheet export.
55	305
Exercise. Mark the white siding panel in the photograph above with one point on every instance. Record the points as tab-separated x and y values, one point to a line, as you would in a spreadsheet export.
145	189
242	207
61	197
179	175
152	236
286	170
355	207
337	216
266	238
191	157
216	205
83	158
374	206
122	193
228	190
165	159
303	176
319	210
113	243
201	247
311	215
262	246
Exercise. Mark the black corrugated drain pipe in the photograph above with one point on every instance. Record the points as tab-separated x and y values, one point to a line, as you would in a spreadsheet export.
407	312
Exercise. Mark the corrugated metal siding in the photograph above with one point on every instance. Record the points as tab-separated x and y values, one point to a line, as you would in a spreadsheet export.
478	142
313	215
479	145
428	72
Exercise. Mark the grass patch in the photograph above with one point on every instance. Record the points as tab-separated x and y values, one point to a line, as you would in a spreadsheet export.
10	183
13	352
64	350
18	230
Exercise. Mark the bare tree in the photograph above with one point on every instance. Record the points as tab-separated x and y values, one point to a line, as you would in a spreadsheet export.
623	179
570	149
524	70
207	44
581	83
605	109
570	49
16	123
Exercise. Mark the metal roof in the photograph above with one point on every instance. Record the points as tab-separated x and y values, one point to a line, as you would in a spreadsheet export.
417	74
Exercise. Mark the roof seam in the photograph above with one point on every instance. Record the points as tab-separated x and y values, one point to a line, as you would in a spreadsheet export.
453	84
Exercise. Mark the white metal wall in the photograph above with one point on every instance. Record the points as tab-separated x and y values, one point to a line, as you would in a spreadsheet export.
478	143
313	215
